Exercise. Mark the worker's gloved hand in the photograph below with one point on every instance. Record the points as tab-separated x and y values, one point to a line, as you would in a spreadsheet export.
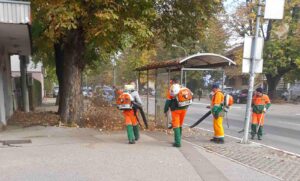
265	110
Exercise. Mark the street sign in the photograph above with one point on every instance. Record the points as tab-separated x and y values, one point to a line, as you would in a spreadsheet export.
248	47
258	66
274	9
258	63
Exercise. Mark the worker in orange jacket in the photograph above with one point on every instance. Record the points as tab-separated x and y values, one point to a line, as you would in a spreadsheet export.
178	113
129	113
260	104
168	97
216	106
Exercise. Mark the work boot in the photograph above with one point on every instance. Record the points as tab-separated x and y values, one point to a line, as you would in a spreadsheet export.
253	130
131	142
177	137
130	134
136	132
214	139
220	141
260	132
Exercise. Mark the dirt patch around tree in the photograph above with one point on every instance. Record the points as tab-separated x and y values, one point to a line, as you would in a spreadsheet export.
98	114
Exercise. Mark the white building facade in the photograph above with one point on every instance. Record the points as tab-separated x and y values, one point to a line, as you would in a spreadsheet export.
15	39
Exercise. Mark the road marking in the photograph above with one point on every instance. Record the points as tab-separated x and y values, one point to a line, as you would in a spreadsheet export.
297	114
287	152
199	103
287	123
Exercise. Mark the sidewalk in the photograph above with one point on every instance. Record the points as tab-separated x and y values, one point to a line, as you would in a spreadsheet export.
59	153
268	160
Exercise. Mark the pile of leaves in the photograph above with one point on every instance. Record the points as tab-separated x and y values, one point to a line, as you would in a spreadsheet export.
48	118
98	114
103	115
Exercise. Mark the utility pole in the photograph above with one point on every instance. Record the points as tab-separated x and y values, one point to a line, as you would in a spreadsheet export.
245	139
273	10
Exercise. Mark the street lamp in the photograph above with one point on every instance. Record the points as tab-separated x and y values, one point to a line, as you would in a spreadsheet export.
176	46
113	61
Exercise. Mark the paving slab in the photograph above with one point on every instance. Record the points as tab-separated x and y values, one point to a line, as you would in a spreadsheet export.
86	154
273	162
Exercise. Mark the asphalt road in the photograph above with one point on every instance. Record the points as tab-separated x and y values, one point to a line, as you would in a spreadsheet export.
282	123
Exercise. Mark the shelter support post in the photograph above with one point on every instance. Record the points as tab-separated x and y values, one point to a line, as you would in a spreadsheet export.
24	87
147	94
138	82
223	79
185	78
181	76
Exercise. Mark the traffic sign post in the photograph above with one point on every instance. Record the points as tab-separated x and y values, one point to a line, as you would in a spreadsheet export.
253	49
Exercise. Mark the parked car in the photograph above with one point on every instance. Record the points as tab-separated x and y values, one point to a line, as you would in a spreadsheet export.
87	91
55	91
106	92
240	96
295	92
229	90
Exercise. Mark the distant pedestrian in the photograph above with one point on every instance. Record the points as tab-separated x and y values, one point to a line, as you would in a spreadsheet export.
199	92
260	105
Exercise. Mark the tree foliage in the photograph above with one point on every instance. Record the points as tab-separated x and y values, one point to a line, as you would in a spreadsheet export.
81	33
281	50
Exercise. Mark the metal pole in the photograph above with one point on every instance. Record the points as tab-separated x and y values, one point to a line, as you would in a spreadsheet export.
139	82
86	82
223	79
181	76
245	139
155	99
24	88
169	75
185	78
147	94
114	75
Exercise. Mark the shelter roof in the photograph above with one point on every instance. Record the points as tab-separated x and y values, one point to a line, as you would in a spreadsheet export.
198	60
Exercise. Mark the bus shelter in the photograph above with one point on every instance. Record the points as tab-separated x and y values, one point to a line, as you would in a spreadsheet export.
201	65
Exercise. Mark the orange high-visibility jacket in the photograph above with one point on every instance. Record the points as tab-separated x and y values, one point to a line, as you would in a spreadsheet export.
260	102
217	102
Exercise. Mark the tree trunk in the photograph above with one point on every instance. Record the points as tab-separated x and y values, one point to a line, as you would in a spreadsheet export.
71	102
272	84
59	58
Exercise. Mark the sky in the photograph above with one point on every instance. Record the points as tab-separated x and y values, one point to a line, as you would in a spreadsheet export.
230	5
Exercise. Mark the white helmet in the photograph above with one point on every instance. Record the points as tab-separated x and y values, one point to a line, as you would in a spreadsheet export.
174	90
129	87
